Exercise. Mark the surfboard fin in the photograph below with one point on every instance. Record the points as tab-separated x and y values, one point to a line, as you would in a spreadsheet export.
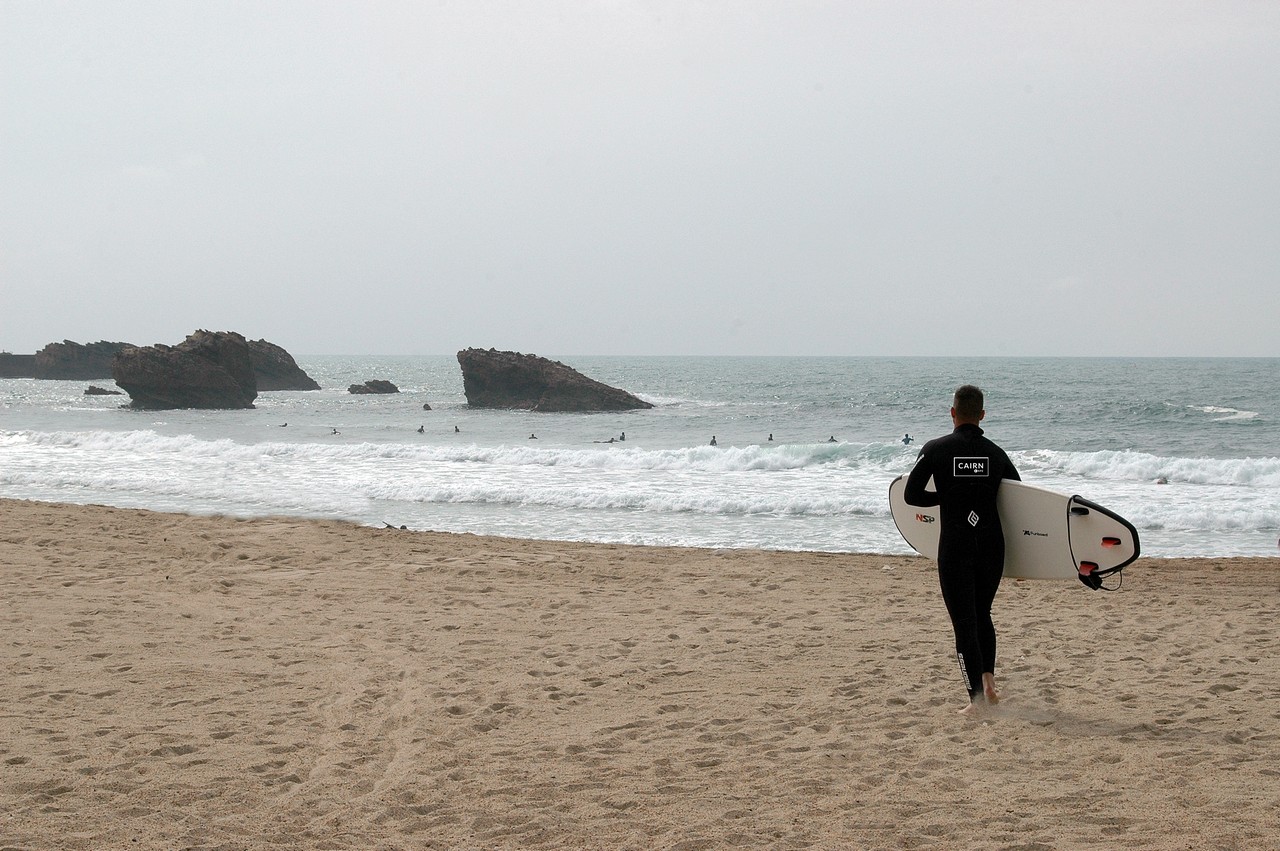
1087	576
1091	576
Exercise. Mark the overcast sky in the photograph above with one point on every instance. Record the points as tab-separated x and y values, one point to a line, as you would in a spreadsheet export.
616	177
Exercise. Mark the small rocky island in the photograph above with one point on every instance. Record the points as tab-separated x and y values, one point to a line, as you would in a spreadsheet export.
374	385
273	367
493	379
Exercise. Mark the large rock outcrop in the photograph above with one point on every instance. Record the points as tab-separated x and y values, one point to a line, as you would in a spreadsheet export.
209	369
493	379
70	361
276	369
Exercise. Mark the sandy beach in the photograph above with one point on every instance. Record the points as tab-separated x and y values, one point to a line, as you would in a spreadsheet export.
194	682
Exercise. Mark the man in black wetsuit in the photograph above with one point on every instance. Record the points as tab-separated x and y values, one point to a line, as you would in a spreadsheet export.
967	469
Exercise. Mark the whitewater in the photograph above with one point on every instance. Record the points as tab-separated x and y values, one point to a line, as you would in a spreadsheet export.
1187	449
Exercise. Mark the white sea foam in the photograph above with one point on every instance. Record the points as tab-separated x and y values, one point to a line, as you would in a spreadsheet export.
612	457
870	459
1229	414
1127	465
823	483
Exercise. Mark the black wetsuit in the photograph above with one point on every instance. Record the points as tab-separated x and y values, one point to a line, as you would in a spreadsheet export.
967	469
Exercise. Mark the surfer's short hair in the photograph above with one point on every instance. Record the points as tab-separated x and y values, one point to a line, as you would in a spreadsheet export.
968	402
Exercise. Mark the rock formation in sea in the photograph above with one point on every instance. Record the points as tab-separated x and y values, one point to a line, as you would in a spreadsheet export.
493	379
94	390
276	369
70	361
374	385
209	369
17	366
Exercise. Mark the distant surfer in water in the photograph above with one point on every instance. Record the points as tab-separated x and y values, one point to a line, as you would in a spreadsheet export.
967	469
906	439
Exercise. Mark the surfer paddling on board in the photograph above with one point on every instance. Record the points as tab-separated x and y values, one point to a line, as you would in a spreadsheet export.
967	469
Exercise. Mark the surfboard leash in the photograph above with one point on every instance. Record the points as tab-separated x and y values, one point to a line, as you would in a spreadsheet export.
1091	576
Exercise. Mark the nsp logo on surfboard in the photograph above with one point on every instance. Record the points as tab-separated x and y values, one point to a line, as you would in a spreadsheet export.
975	467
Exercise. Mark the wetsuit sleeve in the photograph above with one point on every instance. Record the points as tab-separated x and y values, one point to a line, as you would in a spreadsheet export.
1010	472
914	493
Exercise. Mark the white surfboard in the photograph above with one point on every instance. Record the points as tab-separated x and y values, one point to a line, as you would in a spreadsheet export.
1047	535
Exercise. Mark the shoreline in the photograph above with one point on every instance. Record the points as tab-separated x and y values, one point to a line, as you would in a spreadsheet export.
202	681
387	527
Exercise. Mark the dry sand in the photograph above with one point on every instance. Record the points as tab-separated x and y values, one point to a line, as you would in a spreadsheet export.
190	682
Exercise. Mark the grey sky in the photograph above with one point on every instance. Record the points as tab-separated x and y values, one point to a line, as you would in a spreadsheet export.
727	177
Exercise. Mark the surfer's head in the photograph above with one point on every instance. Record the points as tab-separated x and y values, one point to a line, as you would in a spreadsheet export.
966	405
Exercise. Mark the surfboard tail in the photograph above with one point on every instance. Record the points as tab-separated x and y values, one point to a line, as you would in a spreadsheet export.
1106	542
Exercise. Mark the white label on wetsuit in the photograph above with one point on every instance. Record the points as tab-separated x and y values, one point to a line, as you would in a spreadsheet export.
973	519
972	467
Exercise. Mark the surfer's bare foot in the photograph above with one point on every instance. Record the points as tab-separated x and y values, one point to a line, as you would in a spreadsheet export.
989	697
977	707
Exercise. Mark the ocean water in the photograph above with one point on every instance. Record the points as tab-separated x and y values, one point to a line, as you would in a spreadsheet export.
1187	449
